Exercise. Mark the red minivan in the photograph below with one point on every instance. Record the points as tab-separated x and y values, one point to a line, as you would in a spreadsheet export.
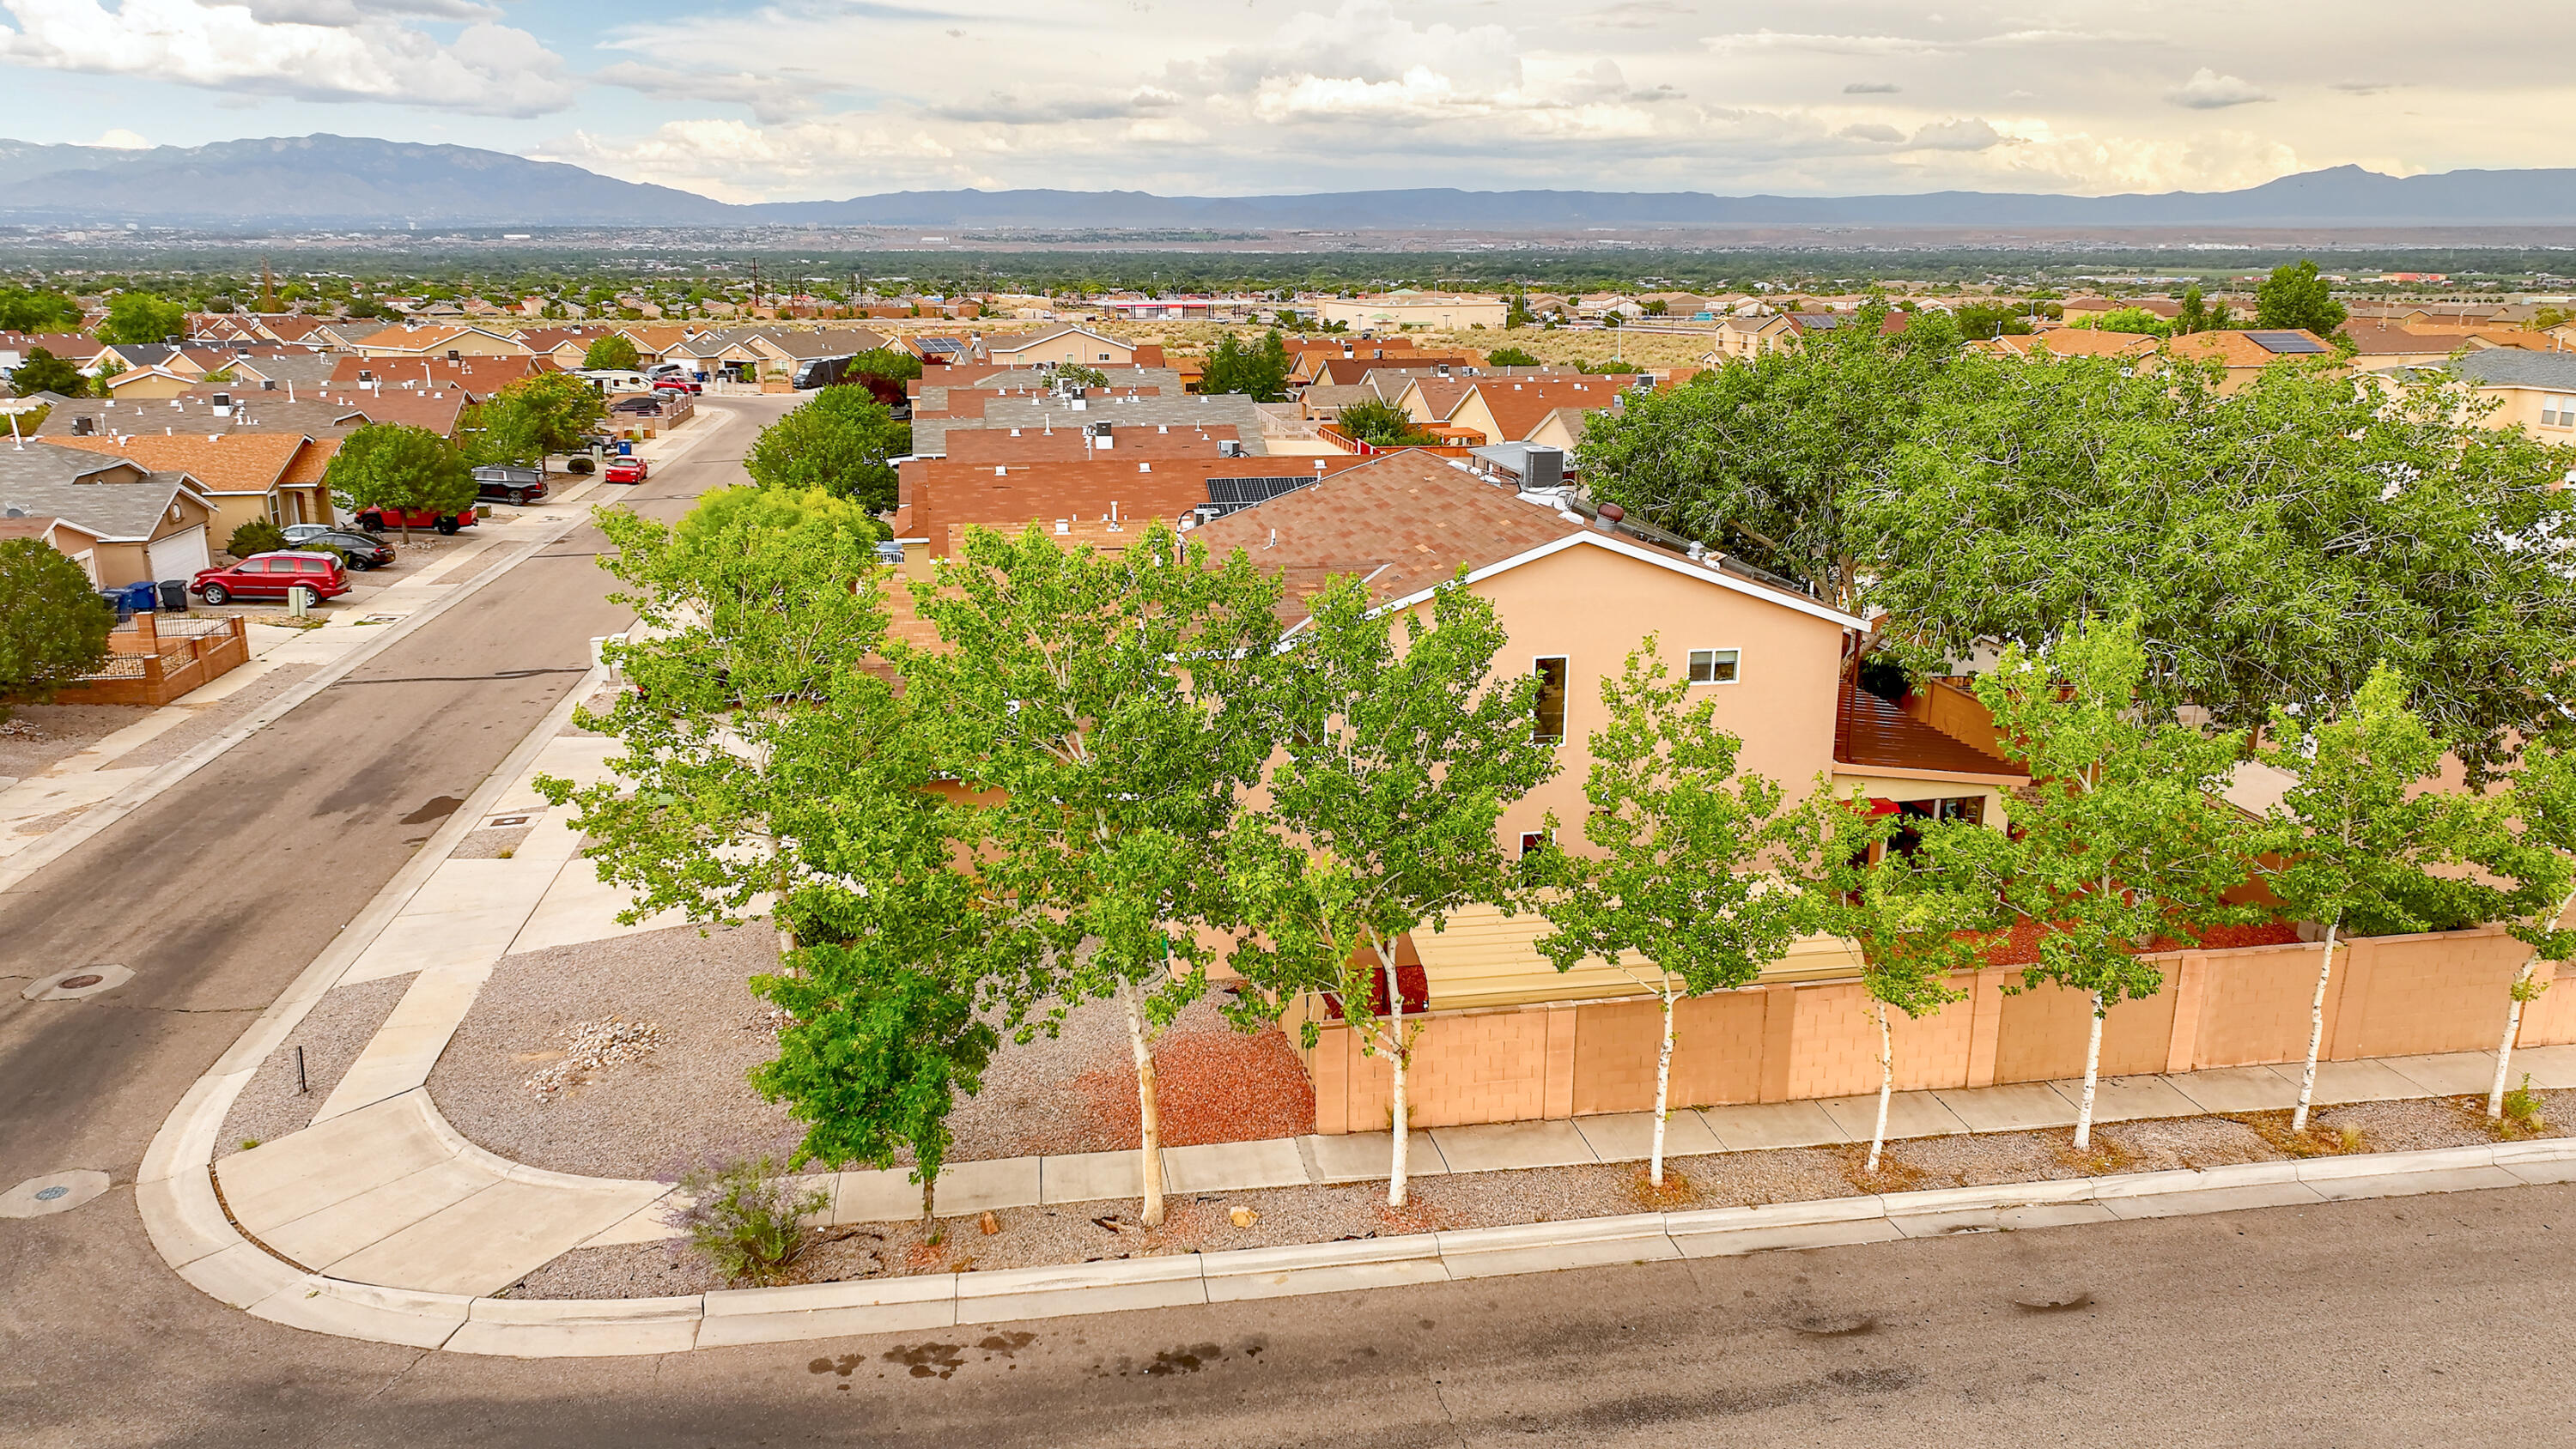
271	576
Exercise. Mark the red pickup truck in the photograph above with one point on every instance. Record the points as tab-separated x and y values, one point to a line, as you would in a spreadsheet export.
378	520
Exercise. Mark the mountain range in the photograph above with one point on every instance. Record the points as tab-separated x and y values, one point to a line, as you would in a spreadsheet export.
341	181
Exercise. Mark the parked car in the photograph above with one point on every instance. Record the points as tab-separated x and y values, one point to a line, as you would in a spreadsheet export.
380	520
272	576
677	384
644	405
361	550
625	470
509	483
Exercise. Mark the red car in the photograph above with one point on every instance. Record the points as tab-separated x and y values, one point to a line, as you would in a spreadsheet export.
272	576
385	520
625	470
677	384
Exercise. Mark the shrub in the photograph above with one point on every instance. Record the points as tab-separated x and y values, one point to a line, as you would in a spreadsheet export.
1381	424
53	625
257	536
740	1215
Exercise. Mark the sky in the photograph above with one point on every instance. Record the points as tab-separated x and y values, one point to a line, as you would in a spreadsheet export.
794	101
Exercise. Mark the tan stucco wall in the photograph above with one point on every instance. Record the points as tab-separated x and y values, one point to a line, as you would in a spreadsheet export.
2392	996
1073	348
1444	312
1782	707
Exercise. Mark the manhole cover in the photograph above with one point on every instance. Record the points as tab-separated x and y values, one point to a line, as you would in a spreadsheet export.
76	983
54	1192
509	820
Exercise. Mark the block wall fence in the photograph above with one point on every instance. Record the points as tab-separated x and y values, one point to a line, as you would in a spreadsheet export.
2390	996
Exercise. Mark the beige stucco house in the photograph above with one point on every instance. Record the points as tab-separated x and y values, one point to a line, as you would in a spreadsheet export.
1408	308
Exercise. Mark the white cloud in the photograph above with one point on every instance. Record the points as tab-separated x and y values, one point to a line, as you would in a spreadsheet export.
1872	131
2209	91
117	138
352	12
1764	40
1637	14
733	161
1970	134
771	97
1871	88
1013	109
488	68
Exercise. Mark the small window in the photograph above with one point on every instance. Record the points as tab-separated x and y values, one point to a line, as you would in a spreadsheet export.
1536	842
1713	666
1967	809
1551	699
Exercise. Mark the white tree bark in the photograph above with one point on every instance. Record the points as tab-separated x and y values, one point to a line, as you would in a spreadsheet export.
2092	1074
2316	1031
1663	1094
1148	1112
1399	1056
2512	1029
1886	1084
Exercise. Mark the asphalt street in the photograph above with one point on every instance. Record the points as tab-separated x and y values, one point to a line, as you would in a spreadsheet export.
2436	1320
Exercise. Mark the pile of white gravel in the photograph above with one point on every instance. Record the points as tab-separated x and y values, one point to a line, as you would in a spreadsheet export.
595	1047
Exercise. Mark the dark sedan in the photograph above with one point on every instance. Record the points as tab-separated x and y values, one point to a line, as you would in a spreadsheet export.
362	550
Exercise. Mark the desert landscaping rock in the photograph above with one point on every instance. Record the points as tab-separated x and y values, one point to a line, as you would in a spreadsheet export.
36	737
492	844
332	1034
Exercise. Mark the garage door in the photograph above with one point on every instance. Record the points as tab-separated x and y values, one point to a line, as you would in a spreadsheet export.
179	555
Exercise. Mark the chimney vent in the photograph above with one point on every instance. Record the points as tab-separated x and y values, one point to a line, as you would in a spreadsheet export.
1611	512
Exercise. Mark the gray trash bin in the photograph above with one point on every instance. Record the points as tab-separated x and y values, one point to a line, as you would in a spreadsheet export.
174	596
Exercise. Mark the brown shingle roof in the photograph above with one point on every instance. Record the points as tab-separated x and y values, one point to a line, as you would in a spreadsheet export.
1874	733
1402	521
226	463
1520	405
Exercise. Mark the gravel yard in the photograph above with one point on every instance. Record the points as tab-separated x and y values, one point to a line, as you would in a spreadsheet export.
634	1118
1036	1236
37	737
1073	1092
332	1034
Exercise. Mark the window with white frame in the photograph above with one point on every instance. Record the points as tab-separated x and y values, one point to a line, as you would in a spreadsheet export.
1550	701
1714	666
2557	412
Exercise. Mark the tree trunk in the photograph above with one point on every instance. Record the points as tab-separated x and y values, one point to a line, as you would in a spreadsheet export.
1663	1095
2512	1029
1148	1115
2316	1032
1398	1059
2092	1074
1886	1084
929	1185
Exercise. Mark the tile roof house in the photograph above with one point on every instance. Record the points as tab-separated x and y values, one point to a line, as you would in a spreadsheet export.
1063	345
276	476
1575	595
2535	391
439	340
2244	355
1536	410
2069	342
476	377
139	523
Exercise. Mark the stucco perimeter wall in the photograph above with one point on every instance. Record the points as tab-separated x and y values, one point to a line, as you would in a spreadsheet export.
2390	996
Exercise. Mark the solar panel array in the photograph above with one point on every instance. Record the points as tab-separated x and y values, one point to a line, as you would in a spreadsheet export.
2286	342
1226	495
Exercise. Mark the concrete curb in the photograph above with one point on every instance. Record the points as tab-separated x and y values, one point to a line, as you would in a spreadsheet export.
239	1273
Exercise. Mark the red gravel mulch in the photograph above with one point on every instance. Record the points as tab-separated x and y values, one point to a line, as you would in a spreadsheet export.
1215	1086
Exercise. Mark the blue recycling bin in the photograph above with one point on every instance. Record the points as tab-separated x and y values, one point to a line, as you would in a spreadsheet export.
141	598
626	447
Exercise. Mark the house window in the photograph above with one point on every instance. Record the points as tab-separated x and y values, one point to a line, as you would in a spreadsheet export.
1714	666
1534	842
1104	357
1551	699
2558	412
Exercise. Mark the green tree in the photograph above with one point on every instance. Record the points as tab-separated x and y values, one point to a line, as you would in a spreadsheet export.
2538	855
891	363
2276	543
1916	909
397	467
753	710
1073	374
53	624
1379	423
614	352
25	309
2295	296
2123	842
1676	897
44	372
1102	702
1511	357
1397	753
257	535
550	412
2136	320
2366	836
1991	319
874	1055
1257	370
1763	459
841	440
2197	315
142	317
